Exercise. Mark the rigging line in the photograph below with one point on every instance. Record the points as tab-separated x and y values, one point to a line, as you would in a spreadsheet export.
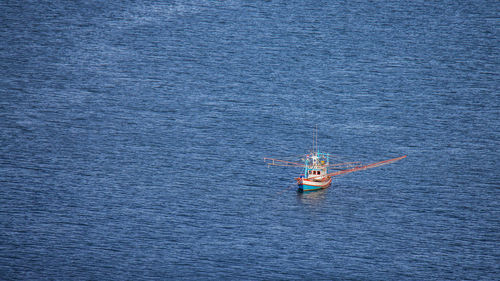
373	165
346	163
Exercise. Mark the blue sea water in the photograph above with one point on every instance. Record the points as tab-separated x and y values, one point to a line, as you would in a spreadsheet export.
132	137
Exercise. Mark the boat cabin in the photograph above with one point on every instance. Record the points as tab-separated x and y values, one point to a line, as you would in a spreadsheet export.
314	172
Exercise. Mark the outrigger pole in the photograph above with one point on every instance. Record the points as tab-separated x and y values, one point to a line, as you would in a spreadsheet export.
277	162
283	163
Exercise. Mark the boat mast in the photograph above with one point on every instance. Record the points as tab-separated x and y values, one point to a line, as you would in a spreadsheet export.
315	140
314	136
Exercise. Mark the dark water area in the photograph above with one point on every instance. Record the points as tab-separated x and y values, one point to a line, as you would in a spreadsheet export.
132	136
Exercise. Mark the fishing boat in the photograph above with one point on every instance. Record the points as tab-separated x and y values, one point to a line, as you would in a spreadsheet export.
319	171
315	172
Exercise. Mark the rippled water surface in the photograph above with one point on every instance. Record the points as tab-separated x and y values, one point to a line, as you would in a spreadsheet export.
132	136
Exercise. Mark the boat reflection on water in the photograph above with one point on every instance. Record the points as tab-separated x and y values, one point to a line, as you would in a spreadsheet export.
312	198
